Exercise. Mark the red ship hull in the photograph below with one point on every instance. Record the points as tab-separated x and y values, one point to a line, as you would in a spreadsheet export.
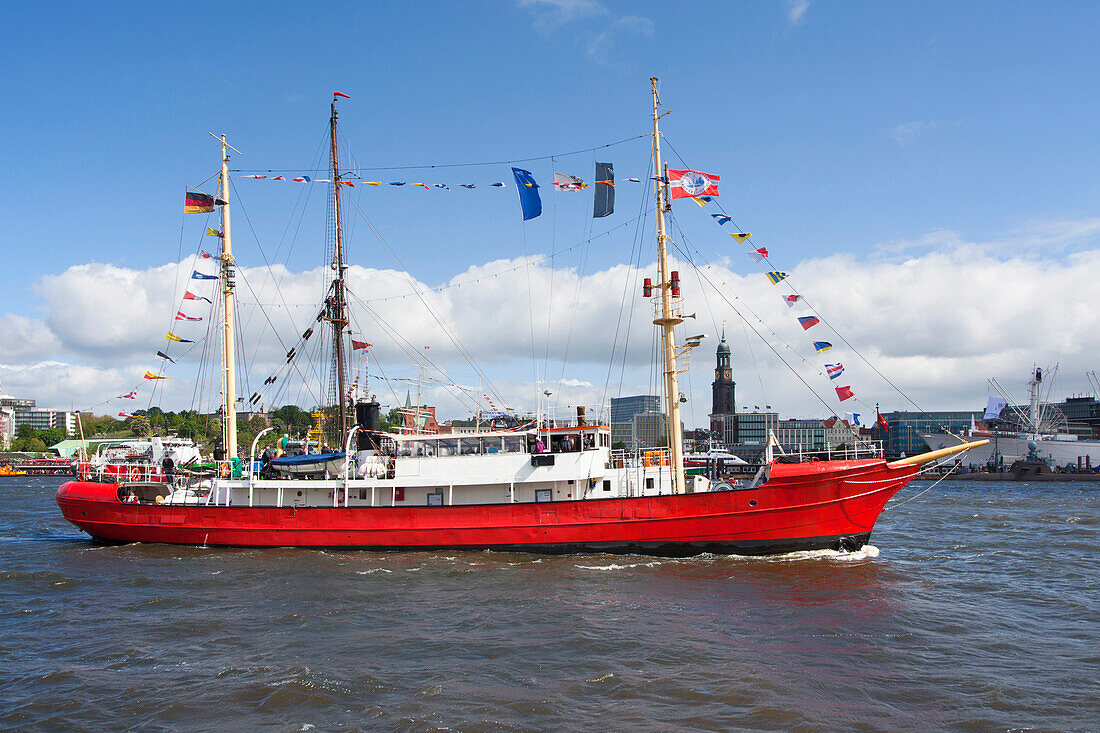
821	505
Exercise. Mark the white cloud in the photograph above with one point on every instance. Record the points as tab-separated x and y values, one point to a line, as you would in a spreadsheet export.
907	132
1033	237
551	14
796	10
936	321
604	27
25	339
636	24
64	386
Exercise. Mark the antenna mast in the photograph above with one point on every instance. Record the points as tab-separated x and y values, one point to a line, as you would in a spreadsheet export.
667	319
337	304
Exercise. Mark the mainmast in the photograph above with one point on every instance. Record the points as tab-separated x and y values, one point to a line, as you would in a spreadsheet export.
228	282
667	319
337	305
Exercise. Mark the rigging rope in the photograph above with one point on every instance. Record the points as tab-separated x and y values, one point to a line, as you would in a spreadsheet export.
790	284
431	166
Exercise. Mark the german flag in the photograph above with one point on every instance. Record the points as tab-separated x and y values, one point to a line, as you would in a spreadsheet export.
198	203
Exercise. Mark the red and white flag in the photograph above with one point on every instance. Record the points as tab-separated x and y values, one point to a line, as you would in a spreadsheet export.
688	184
124	414
758	254
340	94
882	422
357	345
844	393
181	316
792	299
131	396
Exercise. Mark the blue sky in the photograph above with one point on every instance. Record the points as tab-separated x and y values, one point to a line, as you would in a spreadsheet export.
869	130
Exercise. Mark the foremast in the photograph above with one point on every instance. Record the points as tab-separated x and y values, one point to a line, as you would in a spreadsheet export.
228	282
667	319
337	303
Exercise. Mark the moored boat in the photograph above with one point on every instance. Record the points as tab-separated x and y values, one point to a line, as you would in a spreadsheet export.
1036	434
546	486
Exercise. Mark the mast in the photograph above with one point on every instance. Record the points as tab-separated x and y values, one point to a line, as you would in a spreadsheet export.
229	385
337	303
1034	410
667	319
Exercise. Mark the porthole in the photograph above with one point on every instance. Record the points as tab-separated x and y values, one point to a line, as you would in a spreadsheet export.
299	493
752	502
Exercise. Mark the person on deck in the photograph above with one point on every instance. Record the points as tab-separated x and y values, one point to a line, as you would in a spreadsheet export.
169	467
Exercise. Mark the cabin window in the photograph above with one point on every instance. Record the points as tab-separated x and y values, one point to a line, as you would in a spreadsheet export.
422	447
435	498
607	484
605	440
543	495
363	494
404	448
515	444
649	483
447	447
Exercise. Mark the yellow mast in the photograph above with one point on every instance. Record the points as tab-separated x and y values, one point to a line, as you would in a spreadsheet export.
667	319
229	384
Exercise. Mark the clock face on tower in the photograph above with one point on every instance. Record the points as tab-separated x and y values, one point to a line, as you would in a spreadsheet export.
726	374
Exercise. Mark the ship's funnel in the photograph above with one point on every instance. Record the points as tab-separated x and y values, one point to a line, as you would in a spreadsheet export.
367	416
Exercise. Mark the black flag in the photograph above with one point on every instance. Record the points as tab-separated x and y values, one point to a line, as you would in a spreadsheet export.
604	205
162	355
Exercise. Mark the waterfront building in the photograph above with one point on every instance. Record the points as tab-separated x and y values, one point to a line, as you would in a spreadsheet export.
753	427
906	428
26	412
838	433
815	434
624	408
650	430
624	428
1082	416
801	434
7	427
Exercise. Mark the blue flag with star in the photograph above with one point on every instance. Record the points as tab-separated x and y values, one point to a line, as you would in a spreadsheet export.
529	199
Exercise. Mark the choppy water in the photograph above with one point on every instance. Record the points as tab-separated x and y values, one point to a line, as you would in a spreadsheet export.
976	609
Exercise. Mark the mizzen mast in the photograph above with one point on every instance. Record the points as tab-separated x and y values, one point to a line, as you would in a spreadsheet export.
336	302
667	319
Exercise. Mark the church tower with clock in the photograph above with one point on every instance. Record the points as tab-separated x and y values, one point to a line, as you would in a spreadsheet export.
723	387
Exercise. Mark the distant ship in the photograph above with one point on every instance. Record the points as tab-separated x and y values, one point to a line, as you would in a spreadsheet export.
1040	434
